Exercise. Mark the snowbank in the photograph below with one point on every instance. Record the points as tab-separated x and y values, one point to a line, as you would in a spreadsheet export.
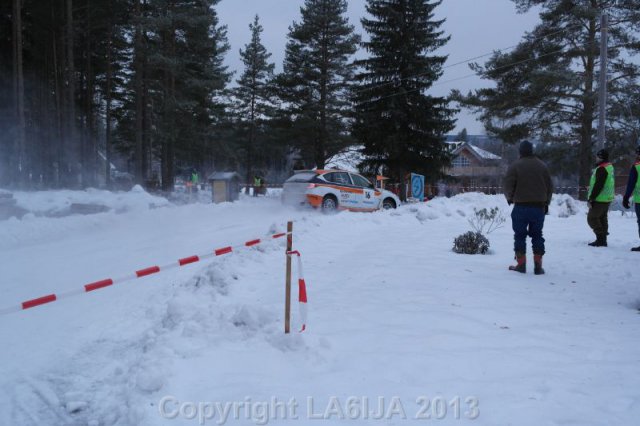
394	315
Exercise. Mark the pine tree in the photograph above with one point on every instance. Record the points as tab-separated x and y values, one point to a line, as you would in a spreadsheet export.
547	86
316	77
401	127
186	48
253	93
462	135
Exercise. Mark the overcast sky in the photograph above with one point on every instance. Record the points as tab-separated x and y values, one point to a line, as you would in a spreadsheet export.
477	27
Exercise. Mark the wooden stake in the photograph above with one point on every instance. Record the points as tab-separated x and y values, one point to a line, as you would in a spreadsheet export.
287	300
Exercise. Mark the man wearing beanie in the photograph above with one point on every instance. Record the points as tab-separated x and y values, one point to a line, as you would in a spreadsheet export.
528	186
600	195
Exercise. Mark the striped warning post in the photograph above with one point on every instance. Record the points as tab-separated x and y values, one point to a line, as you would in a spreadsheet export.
302	291
97	285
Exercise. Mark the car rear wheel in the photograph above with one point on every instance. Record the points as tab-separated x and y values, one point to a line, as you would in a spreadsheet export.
329	203
388	203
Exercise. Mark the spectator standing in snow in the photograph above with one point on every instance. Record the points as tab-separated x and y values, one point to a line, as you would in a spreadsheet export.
528	186
633	189
600	195
194	180
257	185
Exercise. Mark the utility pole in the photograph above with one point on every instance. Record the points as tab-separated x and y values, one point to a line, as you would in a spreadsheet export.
602	96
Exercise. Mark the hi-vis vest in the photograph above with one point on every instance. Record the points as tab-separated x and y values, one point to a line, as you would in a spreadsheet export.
608	192
636	191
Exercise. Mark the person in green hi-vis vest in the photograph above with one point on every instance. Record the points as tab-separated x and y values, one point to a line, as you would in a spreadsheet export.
600	196
633	189
257	185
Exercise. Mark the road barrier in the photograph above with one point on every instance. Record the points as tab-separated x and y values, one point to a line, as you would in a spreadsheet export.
49	298
302	291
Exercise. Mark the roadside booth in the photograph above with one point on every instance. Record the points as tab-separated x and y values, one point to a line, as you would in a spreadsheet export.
225	186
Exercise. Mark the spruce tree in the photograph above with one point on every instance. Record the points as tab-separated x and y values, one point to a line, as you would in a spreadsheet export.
401	126
186	50
547	86
253	95
316	77
462	135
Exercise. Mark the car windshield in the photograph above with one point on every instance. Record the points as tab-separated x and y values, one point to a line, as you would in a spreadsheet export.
301	177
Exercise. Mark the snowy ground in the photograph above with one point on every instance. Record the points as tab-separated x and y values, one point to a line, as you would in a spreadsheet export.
399	326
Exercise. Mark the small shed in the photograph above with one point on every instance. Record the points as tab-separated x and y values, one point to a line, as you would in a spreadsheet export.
225	186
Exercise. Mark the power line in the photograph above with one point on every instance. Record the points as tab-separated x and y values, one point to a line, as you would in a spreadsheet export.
463	77
474	75
571	27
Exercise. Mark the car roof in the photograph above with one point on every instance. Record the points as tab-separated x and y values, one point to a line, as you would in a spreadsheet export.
324	171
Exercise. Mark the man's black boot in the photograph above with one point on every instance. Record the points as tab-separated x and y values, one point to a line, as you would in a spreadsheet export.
601	241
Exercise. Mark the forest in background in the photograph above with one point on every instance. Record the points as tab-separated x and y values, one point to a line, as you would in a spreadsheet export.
86	83
142	84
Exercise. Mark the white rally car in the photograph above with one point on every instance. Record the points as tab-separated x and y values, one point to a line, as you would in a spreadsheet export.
336	189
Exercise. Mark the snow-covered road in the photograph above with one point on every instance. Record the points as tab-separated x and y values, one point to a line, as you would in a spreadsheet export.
397	320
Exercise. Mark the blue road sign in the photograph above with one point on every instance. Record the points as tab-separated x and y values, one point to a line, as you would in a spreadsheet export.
417	186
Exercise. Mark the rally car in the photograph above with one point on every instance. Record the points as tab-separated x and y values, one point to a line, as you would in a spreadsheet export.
336	189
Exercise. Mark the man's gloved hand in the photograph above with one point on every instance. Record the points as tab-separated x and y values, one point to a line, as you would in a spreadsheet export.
590	203
509	202
546	209
625	203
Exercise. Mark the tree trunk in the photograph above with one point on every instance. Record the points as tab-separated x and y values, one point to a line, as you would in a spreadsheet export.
107	149
251	141
89	151
18	78
71	151
168	137
141	172
58	169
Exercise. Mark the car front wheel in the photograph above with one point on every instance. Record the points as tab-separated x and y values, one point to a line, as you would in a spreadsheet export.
388	203
329	203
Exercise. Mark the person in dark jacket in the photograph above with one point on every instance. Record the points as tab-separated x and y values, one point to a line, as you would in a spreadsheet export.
600	195
633	189
528	186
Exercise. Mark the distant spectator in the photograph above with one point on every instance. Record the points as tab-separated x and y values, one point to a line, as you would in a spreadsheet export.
601	194
257	185
633	189
528	186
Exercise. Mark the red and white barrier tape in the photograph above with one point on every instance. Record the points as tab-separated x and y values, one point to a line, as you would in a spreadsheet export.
137	274
302	291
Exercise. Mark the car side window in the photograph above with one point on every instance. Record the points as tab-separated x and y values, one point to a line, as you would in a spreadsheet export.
301	177
340	178
361	181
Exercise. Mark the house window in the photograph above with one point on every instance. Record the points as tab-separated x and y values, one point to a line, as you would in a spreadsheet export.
461	161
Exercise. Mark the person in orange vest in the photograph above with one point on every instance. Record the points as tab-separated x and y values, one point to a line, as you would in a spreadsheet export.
633	189
601	194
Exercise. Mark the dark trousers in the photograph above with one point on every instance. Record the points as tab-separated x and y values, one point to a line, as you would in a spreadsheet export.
597	218
527	220
638	217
